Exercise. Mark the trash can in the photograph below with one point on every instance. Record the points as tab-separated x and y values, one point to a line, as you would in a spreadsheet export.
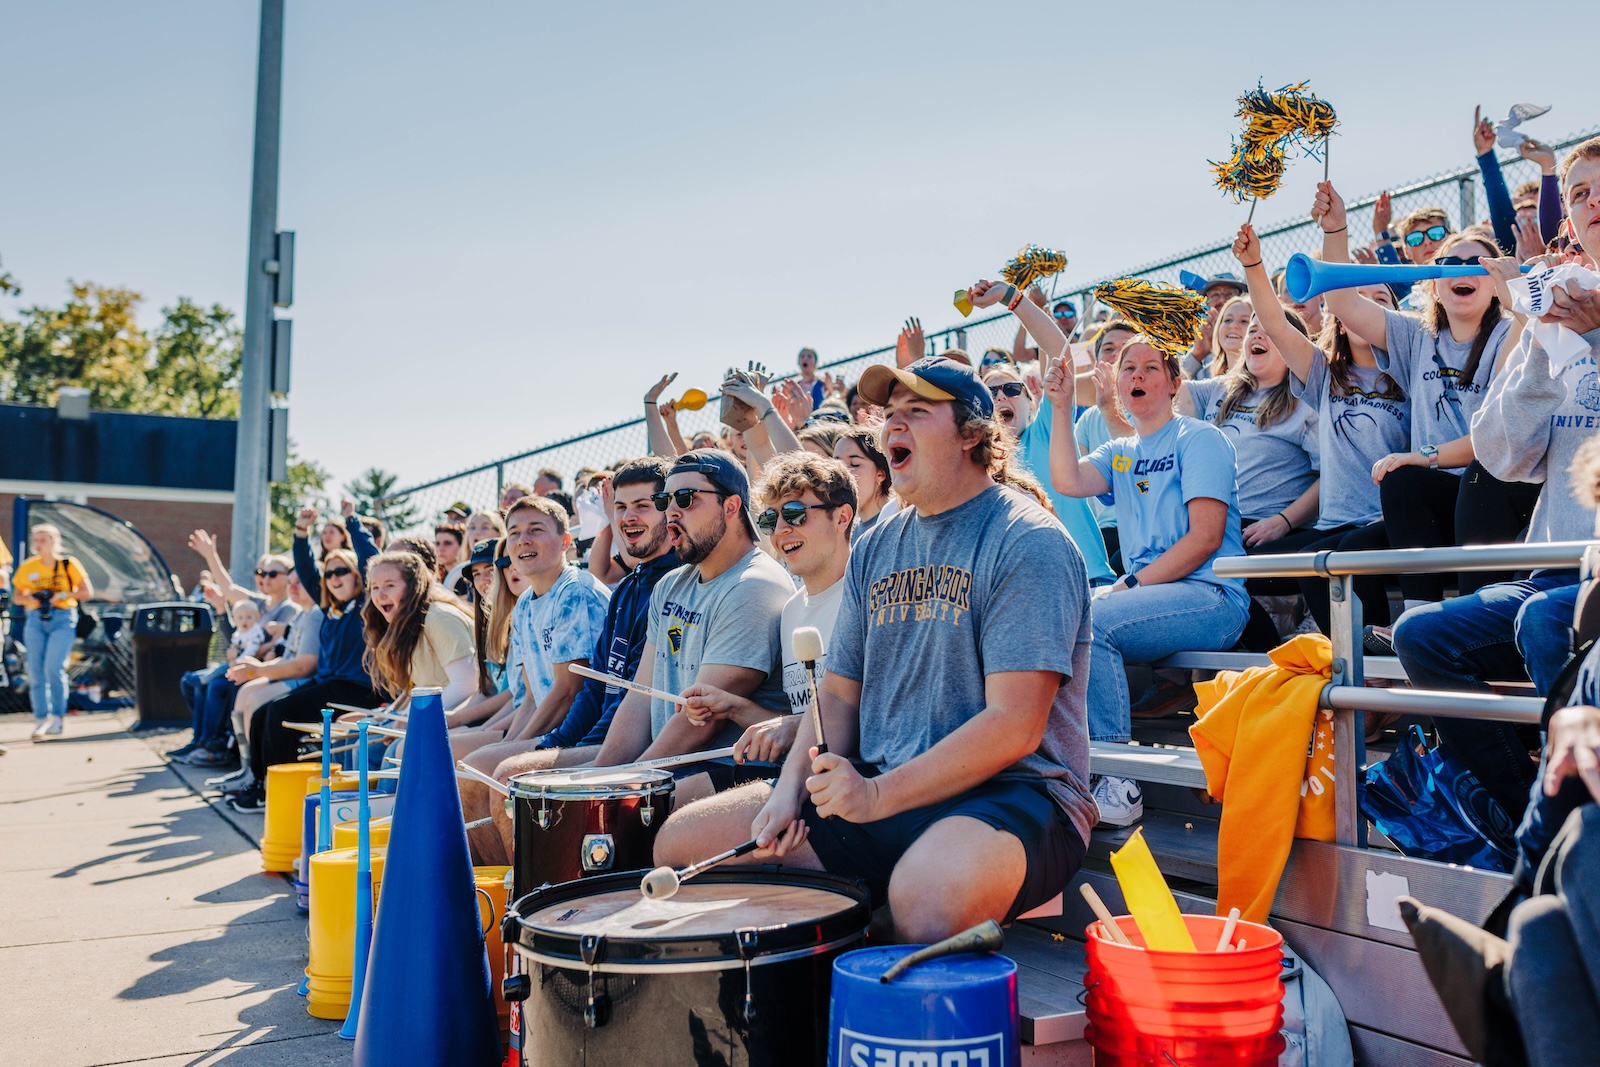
168	640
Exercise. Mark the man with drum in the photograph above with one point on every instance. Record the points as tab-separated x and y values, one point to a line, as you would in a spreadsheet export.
955	779
713	621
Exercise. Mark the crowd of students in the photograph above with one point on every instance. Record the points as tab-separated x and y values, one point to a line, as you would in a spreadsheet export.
985	545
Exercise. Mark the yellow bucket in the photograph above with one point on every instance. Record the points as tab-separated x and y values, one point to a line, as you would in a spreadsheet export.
345	833
493	894
286	790
333	929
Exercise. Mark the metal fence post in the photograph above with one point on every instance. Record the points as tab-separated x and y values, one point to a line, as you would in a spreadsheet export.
499	484
1349	727
1469	201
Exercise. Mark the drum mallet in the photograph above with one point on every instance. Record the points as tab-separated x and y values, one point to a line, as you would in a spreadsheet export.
808	649
663	882
985	937
463	771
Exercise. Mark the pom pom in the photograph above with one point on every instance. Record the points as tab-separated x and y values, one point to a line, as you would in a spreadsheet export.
1253	172
1290	116
1170	317
1033	264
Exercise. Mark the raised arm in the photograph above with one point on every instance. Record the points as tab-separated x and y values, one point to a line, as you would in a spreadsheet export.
206	546
1295	347
1070	474
782	438
663	439
1502	216
1360	316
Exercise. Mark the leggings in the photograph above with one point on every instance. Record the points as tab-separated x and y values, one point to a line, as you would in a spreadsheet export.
1427	508
272	743
1371	589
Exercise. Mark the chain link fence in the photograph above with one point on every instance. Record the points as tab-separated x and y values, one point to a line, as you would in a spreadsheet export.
1458	192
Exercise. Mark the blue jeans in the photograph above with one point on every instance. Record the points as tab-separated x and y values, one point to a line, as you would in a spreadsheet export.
49	644
214	713
194	685
1146	623
1502	632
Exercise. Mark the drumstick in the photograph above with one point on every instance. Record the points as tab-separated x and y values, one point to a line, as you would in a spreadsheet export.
612	679
1227	929
1102	912
659	763
663	882
808	649
463	771
343	729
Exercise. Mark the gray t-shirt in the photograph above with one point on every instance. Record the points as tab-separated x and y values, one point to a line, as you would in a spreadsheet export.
1428	366
1355	429
1275	464
732	620
305	634
935	603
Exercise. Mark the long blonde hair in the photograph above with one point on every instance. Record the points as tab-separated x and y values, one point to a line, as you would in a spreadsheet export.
1240	383
391	646
1219	358
501	601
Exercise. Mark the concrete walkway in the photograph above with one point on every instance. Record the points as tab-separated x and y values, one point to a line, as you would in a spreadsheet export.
139	927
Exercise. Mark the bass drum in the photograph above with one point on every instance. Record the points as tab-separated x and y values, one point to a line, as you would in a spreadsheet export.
733	970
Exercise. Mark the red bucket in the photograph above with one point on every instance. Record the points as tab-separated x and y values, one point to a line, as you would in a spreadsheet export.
1201	1008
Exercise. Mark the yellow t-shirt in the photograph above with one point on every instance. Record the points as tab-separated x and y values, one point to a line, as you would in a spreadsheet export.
35	576
446	638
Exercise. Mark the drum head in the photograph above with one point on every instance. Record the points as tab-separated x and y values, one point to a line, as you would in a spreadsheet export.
721	918
589	782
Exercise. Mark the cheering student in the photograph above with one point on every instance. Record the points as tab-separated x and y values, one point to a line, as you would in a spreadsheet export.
1101	421
955	780
622	639
1227	341
1437	493
1174	486
449	538
358	540
482	719
858	449
416	634
1218	292
1362	416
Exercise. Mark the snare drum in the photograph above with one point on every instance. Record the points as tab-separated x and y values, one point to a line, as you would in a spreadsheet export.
577	822
734	969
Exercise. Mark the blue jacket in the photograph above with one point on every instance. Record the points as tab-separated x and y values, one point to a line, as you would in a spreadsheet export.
622	640
344	643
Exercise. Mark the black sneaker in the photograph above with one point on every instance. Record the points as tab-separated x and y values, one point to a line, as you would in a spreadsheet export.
1377	641
249	802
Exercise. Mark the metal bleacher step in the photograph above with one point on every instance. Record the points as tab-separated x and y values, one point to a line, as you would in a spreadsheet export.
1144	763
1185	846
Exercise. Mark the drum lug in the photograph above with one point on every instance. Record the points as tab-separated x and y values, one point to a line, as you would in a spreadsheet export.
592	947
748	940
597	852
516	987
647	811
543	817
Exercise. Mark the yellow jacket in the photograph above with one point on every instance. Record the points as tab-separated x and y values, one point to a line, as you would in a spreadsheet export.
1280	786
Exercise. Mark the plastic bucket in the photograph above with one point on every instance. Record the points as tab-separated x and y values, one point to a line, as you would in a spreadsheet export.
333	929
1199	1008
346	804
493	895
960	1009
346	834
280	836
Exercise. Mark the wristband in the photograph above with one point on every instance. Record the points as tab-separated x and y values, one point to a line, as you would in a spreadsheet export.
1386	237
1286	522
651	404
1014	298
1247	266
1341	229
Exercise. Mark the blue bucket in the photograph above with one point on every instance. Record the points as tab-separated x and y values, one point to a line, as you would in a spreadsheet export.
961	1009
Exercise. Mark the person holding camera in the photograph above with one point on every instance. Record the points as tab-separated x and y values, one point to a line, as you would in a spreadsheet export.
49	585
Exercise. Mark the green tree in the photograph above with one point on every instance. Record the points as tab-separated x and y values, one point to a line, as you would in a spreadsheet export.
372	485
94	341
195	366
306	484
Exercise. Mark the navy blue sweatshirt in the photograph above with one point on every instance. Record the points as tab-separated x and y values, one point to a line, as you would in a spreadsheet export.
343	644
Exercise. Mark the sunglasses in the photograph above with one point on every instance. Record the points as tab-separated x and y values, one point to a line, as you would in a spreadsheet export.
1456	261
502	562
1012	389
683	498
1066	313
794	513
1415	238
269	574
337	572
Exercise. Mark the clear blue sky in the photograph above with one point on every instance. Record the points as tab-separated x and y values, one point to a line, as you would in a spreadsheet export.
512	217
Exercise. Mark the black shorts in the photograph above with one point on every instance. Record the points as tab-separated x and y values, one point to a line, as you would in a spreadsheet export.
725	774
1019	807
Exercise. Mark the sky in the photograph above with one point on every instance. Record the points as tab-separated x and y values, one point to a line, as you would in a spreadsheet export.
512	218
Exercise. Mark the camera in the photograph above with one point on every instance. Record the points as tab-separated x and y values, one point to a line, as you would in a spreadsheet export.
45	605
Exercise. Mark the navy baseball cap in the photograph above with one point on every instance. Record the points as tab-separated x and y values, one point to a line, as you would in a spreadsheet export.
482	552
931	377
723	470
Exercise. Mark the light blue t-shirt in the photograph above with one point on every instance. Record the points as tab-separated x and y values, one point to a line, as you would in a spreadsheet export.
1152	481
1428	366
1276	464
559	627
1355	429
1091	432
1033	449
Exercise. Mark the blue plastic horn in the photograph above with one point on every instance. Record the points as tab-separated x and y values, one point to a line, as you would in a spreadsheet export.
363	897
1305	277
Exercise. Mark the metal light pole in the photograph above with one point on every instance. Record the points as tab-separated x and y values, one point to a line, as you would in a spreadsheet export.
251	514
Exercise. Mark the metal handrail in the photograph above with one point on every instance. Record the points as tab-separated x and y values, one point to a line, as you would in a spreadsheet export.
1437	704
1563	555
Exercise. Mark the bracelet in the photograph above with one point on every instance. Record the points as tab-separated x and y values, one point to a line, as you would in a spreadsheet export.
1341	229
1247	266
1285	519
651	404
1014	297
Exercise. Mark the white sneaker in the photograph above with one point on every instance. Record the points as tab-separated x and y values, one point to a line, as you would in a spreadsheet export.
54	725
39	728
1120	800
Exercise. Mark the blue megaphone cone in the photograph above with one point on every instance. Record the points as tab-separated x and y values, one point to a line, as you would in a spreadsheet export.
427	999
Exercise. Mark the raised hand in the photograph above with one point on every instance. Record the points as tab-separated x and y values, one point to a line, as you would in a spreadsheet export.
910	346
1363	254
982	293
1036	295
1247	247
1482	132
758	374
306	519
1382	215
1540	153
800	405
347	508
743	390
1328	208
203	543
655	390
1530	242
1060	386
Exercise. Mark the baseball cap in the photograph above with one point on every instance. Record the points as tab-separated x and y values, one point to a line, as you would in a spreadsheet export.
723	470
931	377
1069	305
482	552
1204	285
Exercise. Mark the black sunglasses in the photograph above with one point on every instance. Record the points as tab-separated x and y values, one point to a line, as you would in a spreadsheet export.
794	513
684	498
269	574
1415	238
1456	261
502	562
1006	389
336	572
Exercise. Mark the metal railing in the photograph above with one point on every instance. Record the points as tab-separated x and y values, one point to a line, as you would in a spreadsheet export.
1346	694
1456	190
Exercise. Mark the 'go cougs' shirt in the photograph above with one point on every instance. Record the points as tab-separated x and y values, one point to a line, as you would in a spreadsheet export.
1355	429
1428	367
934	603
1152	481
1276	464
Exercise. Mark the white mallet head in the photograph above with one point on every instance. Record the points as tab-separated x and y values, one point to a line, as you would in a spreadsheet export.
660	884
808	644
